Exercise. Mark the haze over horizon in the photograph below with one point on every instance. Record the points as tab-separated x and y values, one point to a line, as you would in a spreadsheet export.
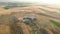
57	2
53	2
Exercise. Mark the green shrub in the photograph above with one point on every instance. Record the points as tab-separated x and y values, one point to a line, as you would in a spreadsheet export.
6	8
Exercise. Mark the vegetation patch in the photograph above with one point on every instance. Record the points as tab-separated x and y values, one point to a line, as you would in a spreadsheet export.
6	8
55	23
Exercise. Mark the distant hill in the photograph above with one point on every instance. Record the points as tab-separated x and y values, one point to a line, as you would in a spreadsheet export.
14	3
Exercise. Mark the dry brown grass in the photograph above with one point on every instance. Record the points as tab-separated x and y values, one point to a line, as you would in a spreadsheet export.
5	29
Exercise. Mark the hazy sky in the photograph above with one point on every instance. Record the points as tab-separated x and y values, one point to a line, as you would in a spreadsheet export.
38	1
